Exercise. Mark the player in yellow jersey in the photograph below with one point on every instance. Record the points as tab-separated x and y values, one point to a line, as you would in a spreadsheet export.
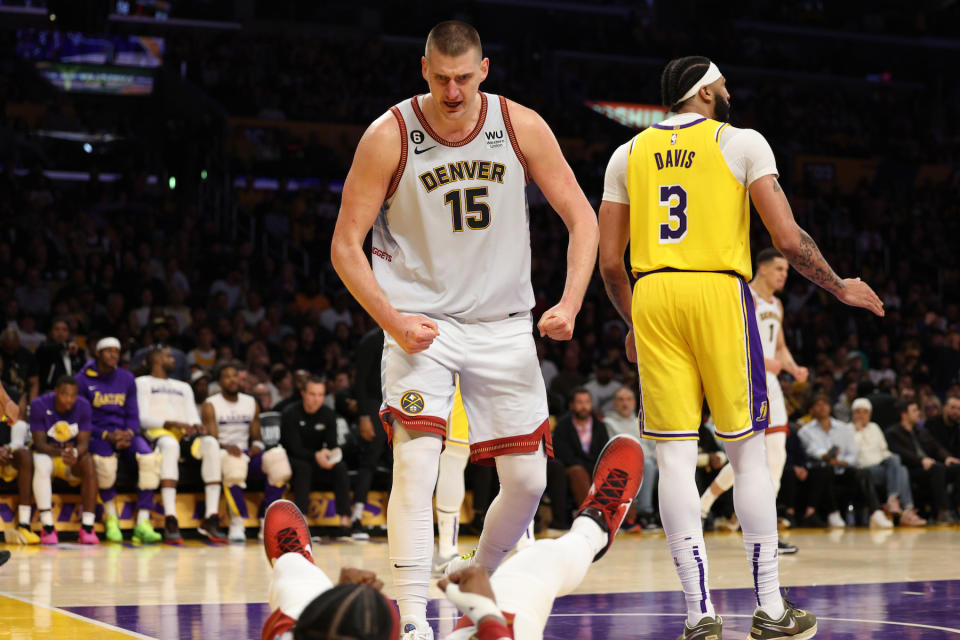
679	193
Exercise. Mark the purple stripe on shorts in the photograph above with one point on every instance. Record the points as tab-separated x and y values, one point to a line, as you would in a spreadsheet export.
756	571
759	407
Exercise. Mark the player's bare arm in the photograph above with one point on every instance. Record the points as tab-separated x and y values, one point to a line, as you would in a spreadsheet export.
83	443
209	419
374	164
42	445
10	408
785	358
549	169
614	238
802	252
255	432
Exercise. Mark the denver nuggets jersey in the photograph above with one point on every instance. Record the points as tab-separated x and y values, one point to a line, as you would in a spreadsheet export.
687	210
453	237
233	419
769	321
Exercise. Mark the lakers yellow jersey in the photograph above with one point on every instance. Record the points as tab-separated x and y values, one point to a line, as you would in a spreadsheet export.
687	209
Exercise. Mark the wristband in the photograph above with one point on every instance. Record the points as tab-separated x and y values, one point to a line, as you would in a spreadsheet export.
258	443
473	605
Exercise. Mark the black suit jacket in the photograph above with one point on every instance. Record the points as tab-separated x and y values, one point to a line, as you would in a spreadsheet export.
901	443
947	435
567	447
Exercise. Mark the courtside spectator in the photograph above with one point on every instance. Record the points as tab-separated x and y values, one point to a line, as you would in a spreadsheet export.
59	356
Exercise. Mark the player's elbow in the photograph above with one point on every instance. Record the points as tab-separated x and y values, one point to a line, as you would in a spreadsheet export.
611	267
787	242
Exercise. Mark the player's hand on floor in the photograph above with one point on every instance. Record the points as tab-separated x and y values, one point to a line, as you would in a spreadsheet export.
473	579
349	575
415	333
858	293
557	323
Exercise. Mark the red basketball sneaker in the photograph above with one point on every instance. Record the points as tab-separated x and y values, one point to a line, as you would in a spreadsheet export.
616	480
285	531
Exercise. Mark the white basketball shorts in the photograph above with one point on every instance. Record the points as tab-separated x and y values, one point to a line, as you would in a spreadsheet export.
778	406
500	383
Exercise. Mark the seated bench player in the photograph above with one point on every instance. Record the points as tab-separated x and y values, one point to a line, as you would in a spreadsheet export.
170	420
61	427
16	463
112	394
306	604
232	417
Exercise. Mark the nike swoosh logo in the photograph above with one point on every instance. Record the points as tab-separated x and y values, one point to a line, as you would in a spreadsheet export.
419	151
776	627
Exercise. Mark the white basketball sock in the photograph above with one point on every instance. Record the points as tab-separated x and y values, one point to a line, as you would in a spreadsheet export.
680	513
211	494
410	517
46	518
529	581
42	483
87	518
23	513
358	508
776	445
294	583
169	450
169	498
755	503
523	477
110	508
210	460
450	492
143	515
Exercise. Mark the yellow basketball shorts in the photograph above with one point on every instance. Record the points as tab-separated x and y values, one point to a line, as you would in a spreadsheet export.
696	335
8	472
62	471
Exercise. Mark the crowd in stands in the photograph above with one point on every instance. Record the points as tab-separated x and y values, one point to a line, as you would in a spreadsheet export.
138	262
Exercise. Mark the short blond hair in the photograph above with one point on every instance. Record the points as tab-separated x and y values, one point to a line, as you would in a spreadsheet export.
453	38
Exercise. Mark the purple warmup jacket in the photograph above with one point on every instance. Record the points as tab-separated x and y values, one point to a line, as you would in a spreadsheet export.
113	398
61	428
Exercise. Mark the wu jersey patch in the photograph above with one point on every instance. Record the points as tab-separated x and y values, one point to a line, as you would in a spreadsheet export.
411	402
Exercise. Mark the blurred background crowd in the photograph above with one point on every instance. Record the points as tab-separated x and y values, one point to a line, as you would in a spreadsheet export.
199	214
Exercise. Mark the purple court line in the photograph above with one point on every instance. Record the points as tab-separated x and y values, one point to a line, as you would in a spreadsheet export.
923	610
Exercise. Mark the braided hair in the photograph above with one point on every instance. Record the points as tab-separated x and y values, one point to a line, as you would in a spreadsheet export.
679	76
348	612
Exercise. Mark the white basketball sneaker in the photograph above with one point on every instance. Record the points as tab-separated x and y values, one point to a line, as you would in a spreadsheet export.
237	532
414	628
459	563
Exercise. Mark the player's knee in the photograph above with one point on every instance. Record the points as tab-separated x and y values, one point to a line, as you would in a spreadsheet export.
42	465
276	466
208	447
148	467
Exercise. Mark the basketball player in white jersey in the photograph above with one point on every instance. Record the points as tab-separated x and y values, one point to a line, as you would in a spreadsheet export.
170	420
232	417
769	279
441	178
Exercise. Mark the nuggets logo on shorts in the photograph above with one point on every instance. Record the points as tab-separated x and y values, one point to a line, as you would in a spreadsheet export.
411	402
62	431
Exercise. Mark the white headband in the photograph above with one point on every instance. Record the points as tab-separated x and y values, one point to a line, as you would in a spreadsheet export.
709	77
106	343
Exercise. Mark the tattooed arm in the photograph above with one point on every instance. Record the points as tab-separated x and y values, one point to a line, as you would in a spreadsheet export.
801	251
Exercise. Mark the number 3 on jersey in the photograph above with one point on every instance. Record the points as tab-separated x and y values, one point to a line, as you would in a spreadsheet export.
480	210
675	197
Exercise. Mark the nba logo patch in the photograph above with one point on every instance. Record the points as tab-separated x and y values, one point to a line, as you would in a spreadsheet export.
411	402
763	411
673	138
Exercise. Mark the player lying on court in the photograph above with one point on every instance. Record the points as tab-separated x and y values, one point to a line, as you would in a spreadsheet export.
513	603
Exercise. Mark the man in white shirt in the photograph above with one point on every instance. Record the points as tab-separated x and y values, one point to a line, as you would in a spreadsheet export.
834	444
884	467
623	419
169	419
